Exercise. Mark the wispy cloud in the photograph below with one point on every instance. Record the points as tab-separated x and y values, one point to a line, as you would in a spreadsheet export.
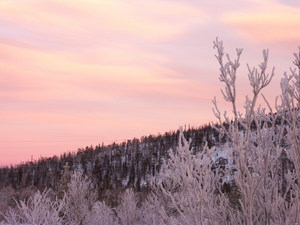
83	72
268	22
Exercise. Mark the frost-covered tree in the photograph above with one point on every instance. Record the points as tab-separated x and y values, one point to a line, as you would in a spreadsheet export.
101	214
153	211
6	197
38	209
263	151
79	199
188	189
127	211
257	140
64	180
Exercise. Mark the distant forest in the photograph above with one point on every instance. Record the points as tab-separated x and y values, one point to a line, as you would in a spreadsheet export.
118	165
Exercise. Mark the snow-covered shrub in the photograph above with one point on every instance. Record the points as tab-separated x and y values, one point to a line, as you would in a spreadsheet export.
262	156
38	209
127	211
79	199
64	181
188	189
153	211
6	199
267	196
101	215
11	216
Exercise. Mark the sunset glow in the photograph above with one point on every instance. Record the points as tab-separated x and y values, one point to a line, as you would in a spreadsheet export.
80	73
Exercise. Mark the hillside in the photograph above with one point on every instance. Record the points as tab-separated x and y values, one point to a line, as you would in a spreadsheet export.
126	164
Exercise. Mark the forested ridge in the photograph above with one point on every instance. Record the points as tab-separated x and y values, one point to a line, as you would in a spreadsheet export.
127	164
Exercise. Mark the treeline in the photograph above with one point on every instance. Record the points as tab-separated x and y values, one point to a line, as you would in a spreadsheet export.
127	164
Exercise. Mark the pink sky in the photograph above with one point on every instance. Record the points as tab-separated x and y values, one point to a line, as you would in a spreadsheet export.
78	73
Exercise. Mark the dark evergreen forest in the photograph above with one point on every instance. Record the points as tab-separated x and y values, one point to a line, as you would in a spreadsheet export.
118	165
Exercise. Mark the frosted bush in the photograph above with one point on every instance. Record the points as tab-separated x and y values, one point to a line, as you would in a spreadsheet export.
189	190
38	209
267	196
101	215
79	199
127	211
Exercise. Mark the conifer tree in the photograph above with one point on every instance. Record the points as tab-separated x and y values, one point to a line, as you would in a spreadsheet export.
64	181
